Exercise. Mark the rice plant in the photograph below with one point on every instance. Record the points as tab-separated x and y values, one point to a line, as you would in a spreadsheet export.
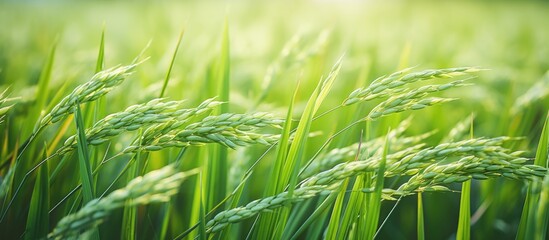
252	125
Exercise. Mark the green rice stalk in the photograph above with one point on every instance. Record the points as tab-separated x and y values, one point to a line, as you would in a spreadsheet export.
99	85
334	222
133	118
160	116
370	149
155	186
84	164
420	218
177	120
356	209
411	161
216	167
470	167
36	110
224	218
296	151
100	64
317	216
543	210
529	227
168	73
412	100
129	217
416	104
42	92
343	216
374	199
38	218
230	130
464	222
88	188
276	185
430	179
386	86
290	169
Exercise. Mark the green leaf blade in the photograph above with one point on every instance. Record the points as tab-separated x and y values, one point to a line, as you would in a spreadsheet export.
38	218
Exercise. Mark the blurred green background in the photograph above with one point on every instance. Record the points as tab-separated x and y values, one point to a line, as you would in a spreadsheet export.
511	38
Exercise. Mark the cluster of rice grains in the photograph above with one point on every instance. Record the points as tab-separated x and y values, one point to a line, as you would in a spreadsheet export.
164	124
428	168
169	124
155	186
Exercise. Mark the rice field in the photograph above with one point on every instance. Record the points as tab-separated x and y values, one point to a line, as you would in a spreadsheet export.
274	120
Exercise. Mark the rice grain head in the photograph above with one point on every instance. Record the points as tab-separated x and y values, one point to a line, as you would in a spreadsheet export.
155	186
386	86
229	129
100	84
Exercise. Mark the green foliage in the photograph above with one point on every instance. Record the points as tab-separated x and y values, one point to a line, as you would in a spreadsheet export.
38	219
420	218
532	222
268	127
374	198
464	223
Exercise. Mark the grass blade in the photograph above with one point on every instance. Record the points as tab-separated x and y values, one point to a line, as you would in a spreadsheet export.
38	219
155	186
169	72
198	197
542	157
129	219
42	92
543	213
529	227
374	200
420	222
217	168
83	158
275	185
317	215
100	64
464	224
88	190
337	227
357	202
297	148
292	163
335	224
202	215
